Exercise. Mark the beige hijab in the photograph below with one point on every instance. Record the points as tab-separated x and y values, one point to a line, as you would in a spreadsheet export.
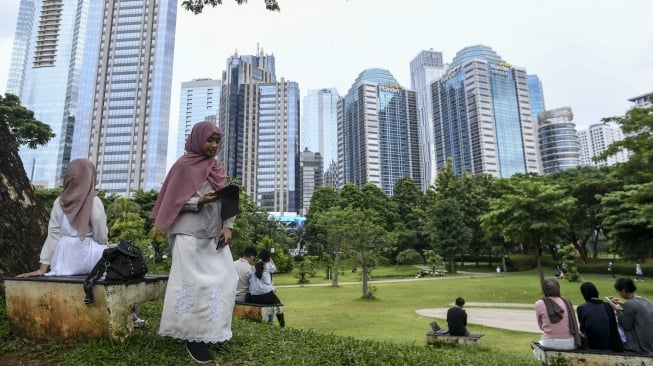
78	193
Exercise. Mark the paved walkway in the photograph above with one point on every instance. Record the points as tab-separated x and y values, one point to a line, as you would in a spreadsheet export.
479	313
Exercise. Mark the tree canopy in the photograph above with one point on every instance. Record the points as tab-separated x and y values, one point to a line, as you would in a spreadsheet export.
25	129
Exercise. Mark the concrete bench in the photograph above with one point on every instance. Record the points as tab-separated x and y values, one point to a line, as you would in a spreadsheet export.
255	312
53	307
443	337
588	357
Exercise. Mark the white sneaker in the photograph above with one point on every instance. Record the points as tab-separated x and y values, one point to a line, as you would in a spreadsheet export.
139	323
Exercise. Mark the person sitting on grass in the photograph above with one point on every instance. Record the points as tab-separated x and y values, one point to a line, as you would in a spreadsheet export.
556	318
457	319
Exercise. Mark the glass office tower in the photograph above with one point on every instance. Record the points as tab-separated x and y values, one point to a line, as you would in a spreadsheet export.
426	68
44	73
536	96
482	116
378	137
125	90
319	123
199	101
277	172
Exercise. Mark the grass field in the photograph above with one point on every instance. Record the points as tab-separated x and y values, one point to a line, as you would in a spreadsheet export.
334	326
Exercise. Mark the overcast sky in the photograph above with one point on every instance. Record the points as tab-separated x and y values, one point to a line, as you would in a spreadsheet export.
591	55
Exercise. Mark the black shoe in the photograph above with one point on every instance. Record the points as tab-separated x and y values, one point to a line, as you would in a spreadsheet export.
199	352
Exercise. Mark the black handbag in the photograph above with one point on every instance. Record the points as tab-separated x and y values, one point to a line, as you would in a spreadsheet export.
122	262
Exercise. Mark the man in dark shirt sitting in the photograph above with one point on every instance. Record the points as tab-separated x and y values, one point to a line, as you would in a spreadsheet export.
457	319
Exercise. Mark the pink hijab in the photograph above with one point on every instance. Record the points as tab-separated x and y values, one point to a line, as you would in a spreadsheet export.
76	200
187	175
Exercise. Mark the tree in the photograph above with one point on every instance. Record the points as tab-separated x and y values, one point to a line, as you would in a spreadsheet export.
365	238
532	212
25	129
125	223
586	184
628	220
23	227
332	224
197	6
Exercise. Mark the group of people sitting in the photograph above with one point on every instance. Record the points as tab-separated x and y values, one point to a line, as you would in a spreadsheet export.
614	324
255	282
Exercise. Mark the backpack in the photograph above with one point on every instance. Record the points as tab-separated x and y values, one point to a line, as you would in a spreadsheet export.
122	262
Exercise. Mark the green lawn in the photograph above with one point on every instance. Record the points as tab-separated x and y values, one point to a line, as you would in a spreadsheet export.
391	315
332	326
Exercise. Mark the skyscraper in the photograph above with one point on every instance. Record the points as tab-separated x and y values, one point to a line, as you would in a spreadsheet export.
378	138
536	96
319	124
595	140
124	104
199	100
558	144
260	119
482	116
239	114
44	73
311	172
426	68
277	184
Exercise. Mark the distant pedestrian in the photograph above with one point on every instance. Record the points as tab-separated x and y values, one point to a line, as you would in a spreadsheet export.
611	269
639	273
498	269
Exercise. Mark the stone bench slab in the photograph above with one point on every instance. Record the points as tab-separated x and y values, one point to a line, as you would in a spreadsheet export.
53	307
587	357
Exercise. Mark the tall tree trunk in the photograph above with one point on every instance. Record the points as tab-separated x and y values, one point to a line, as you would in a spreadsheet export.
366	290
335	270
538	257
24	223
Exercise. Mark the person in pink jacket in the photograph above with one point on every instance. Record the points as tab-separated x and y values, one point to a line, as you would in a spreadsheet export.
556	318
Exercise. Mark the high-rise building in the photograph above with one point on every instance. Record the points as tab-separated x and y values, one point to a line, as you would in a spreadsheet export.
319	123
239	114
558	144
125	89
260	119
536	96
277	174
311	173
199	101
378	138
595	140
426	68
640	101
482	116
44	73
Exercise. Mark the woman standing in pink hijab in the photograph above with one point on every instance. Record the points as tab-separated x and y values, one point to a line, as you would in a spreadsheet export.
201	289
77	231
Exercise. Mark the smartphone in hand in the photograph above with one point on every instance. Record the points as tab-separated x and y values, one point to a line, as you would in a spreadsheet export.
221	243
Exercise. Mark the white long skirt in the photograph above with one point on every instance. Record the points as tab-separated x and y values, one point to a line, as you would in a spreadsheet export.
201	292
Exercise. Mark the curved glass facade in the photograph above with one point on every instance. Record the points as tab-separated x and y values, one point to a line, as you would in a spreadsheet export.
559	147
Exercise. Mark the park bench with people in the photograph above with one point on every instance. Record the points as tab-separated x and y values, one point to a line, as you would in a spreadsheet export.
255	312
53	308
589	357
430	272
443	337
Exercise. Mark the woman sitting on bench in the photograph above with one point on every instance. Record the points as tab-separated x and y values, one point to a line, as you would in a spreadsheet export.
77	231
261	289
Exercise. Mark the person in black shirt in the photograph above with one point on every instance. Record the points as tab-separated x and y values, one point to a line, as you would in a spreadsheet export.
457	319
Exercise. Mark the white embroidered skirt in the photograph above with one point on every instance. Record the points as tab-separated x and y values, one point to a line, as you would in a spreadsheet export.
201	292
